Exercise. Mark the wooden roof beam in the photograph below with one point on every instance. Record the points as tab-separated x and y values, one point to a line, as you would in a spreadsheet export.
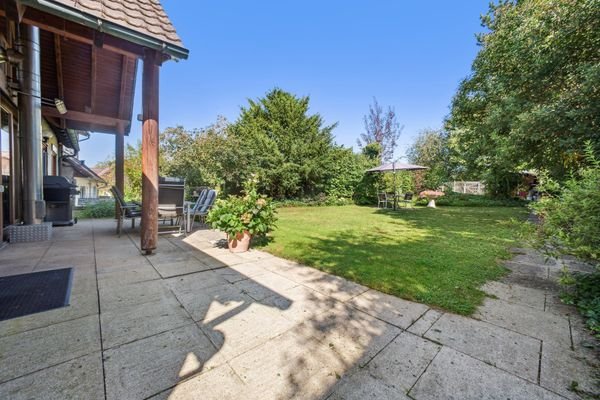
79	116
59	74
80	33
93	75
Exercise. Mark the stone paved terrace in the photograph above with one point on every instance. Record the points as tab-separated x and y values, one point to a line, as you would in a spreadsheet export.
197	322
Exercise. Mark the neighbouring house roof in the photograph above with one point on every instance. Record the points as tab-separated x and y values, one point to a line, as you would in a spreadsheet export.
102	171
82	170
121	18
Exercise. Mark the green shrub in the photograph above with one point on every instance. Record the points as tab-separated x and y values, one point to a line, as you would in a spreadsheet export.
570	224
101	209
583	291
317	201
253	212
472	200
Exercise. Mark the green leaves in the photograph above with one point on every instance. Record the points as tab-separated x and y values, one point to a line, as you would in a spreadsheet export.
289	148
253	212
533	97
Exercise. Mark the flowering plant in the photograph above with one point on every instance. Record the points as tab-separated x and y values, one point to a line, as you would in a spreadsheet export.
253	212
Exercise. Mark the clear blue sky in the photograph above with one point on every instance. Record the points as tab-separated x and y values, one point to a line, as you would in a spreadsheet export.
410	55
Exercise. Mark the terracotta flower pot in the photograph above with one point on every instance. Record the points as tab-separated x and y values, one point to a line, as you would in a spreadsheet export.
240	243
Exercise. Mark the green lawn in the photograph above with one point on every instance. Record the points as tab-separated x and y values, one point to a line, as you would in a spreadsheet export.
435	256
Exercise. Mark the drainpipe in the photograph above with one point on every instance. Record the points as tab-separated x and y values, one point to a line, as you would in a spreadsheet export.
30	123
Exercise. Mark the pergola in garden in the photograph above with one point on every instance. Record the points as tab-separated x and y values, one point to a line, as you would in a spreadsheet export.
87	57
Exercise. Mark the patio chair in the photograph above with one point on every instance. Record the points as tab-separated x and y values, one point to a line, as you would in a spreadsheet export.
382	199
201	208
171	201
126	210
407	199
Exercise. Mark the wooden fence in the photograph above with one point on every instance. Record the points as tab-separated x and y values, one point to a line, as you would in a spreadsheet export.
468	187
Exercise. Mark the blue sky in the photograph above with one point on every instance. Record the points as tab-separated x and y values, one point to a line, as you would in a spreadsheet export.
410	55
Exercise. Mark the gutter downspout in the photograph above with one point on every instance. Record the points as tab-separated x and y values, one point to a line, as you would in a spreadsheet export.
30	125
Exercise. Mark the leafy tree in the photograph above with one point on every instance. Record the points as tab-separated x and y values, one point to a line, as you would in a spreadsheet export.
346	172
533	97
133	172
430	149
286	146
382	128
208	156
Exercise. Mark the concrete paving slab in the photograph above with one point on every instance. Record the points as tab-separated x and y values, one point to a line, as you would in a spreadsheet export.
339	288
77	379
508	350
116	298
453	375
362	385
297	272
424	323
555	306
265	285
562	371
400	364
208	260
530	270
300	303
186	264
224	256
126	275
391	309
289	366
31	351
218	299
255	255
516	294
81	305
195	282
534	258
128	324
217	384
18	268
230	274
119	256
252	268
149	366
249	324
548	327
356	336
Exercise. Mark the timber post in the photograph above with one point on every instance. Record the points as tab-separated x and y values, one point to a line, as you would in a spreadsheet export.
119	168
149	228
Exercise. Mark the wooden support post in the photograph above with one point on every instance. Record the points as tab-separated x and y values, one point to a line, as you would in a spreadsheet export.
119	168
149	233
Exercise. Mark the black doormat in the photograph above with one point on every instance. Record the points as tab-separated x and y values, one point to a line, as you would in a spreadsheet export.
35	292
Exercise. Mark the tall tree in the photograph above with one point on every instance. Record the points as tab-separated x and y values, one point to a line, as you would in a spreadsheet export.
287	146
382	128
430	149
533	97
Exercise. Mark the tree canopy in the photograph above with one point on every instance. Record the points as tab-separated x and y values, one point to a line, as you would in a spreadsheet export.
381	128
533	97
430	149
286	146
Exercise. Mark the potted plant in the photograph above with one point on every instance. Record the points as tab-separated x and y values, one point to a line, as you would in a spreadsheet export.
242	217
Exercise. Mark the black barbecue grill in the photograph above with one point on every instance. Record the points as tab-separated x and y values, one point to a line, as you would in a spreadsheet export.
59	196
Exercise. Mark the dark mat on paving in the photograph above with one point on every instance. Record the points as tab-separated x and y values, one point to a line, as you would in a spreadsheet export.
34	292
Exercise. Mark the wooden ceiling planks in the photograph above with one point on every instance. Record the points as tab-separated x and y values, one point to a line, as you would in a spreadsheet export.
96	84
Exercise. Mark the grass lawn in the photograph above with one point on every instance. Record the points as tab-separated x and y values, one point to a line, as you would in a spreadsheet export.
435	256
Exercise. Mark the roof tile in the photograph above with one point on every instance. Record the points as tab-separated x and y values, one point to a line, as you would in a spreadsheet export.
144	16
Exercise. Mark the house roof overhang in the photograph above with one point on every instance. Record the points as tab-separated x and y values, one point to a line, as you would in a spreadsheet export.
93	18
89	57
